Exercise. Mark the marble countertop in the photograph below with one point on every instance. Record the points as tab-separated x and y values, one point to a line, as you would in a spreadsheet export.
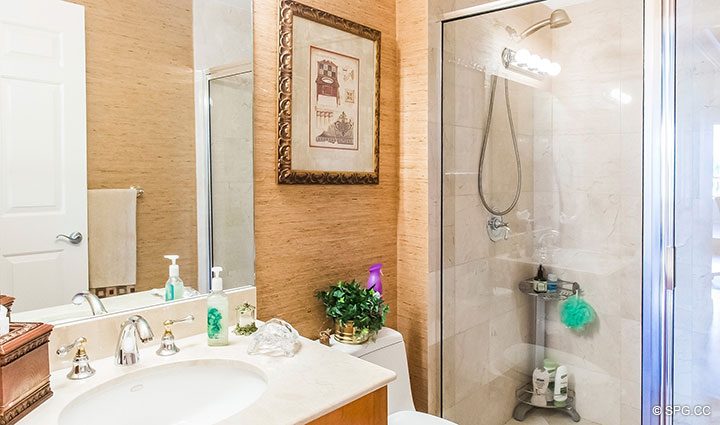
317	381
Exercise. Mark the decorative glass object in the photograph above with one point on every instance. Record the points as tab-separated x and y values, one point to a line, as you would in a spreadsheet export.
275	338
245	319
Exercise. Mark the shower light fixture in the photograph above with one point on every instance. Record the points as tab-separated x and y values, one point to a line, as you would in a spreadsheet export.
529	64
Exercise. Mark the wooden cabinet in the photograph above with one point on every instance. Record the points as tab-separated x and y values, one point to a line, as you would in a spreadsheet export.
368	410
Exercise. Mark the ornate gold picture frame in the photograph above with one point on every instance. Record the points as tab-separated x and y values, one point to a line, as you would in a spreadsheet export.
328	98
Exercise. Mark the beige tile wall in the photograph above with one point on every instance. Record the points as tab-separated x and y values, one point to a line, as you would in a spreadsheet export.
595	156
486	322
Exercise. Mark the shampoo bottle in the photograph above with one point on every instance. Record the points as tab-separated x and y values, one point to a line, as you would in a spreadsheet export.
541	379
561	386
552	282
539	283
174	287
550	366
217	311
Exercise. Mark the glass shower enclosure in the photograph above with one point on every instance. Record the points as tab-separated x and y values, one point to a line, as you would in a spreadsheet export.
542	147
583	135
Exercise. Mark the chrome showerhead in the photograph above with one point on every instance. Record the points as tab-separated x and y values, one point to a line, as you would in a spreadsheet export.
558	18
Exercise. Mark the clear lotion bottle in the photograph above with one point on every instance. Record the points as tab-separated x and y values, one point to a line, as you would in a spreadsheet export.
217	311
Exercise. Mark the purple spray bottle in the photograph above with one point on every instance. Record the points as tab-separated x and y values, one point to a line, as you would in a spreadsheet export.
375	278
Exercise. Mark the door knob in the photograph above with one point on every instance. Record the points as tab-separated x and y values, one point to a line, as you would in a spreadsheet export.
74	237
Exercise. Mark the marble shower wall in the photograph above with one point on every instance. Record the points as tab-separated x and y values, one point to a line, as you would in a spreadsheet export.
486	322
580	137
592	204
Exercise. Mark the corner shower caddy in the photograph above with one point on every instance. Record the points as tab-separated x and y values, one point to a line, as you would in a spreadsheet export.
523	394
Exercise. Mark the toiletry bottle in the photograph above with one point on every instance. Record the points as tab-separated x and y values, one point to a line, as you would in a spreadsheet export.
217	311
4	320
561	386
550	366
375	278
541	378
539	283
552	282
174	287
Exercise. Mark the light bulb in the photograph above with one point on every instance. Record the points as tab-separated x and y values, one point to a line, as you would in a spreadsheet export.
554	69
545	65
533	63
522	56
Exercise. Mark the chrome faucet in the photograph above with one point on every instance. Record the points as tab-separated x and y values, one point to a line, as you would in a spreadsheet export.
497	228
134	328
81	368
96	305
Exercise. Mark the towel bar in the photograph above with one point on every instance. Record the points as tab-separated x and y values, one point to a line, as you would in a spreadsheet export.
140	191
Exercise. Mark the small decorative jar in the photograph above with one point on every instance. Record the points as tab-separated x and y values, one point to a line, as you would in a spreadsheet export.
245	319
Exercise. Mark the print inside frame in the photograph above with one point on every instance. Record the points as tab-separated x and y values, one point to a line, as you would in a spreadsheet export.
328	98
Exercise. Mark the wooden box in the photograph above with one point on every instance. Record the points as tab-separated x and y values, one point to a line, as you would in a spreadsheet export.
24	370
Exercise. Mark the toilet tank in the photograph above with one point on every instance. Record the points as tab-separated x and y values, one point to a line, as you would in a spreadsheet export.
387	351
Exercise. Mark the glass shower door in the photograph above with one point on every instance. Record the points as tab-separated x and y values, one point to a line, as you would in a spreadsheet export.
555	90
231	178
696	369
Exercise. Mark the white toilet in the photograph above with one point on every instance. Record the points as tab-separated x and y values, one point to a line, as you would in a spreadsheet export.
388	351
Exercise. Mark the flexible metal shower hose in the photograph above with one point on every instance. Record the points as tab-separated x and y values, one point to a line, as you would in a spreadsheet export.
486	135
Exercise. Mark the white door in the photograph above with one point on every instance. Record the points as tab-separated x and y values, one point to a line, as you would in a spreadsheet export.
43	187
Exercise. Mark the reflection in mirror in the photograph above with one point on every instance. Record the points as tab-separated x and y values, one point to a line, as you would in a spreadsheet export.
127	136
231	152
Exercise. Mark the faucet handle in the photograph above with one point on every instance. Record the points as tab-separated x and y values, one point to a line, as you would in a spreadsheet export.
167	342
81	368
497	228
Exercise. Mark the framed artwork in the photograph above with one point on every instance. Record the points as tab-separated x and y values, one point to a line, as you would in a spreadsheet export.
328	98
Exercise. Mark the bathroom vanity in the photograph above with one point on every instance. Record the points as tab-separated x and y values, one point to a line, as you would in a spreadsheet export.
202	384
221	385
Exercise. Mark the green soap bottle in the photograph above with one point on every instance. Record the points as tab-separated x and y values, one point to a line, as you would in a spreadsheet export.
217	311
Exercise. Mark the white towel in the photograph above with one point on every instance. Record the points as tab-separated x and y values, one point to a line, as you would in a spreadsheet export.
112	237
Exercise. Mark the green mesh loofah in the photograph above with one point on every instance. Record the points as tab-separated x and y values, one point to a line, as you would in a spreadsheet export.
576	313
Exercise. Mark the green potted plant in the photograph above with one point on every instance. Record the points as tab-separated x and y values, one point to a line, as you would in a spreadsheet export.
359	313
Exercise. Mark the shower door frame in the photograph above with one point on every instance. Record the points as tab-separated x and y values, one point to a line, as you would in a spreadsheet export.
658	238
659	175
204	164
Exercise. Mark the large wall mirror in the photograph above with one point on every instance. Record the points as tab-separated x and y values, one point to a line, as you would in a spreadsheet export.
125	137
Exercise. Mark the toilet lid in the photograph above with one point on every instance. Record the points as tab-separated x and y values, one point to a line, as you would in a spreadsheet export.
405	417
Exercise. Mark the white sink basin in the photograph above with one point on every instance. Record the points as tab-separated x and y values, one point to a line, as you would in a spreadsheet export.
196	392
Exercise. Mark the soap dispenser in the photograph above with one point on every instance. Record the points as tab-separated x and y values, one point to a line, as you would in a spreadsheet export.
217	311
174	287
